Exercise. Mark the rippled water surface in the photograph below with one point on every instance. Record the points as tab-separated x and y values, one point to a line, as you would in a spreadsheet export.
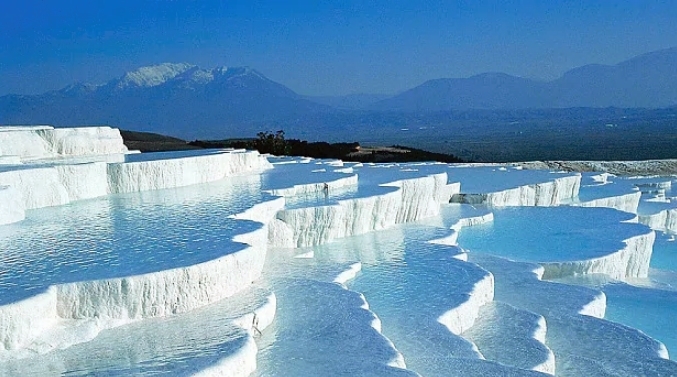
122	235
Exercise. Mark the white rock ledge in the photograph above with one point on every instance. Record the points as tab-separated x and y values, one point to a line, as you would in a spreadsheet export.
540	194
184	171
243	362
11	205
22	321
311	188
665	220
38	142
225	328
141	296
45	185
624	202
162	293
659	213
463	316
629	262
410	200
38	186
513	336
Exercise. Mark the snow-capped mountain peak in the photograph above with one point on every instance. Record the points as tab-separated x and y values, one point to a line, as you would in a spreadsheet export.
220	70
182	75
201	76
232	72
150	76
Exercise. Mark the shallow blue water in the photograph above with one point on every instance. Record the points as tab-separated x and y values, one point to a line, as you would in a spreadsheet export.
410	288
122	235
572	233
648	309
664	252
591	190
575	233
408	282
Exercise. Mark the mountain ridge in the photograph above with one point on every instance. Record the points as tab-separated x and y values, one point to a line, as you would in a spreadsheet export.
185	100
644	81
173	98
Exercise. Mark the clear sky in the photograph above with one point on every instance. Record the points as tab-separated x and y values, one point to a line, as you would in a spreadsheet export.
319	47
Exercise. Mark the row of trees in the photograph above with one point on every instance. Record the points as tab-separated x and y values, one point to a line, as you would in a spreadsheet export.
273	143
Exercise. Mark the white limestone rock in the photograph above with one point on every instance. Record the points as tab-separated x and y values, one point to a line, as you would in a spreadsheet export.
550	193
409	200
11	205
22	321
39	186
630	262
183	171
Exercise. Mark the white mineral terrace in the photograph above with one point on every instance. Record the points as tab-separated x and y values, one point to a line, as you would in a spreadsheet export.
231	263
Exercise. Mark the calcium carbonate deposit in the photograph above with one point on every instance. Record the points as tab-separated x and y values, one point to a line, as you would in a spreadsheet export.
232	263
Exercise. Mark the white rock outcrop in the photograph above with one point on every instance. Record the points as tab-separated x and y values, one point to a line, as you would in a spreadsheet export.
37	183
623	202
547	194
39	142
665	220
629	262
12	207
39	186
46	185
182	171
39	168
143	296
407	200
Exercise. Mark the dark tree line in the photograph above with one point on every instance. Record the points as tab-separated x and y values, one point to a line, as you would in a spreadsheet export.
276	144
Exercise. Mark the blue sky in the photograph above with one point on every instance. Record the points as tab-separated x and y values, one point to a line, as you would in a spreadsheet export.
323	47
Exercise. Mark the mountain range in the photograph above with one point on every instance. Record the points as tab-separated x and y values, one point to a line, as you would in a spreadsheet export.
175	99
187	101
648	81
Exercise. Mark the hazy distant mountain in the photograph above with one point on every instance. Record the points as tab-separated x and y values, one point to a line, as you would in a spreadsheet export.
186	101
649	80
485	91
175	99
351	101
